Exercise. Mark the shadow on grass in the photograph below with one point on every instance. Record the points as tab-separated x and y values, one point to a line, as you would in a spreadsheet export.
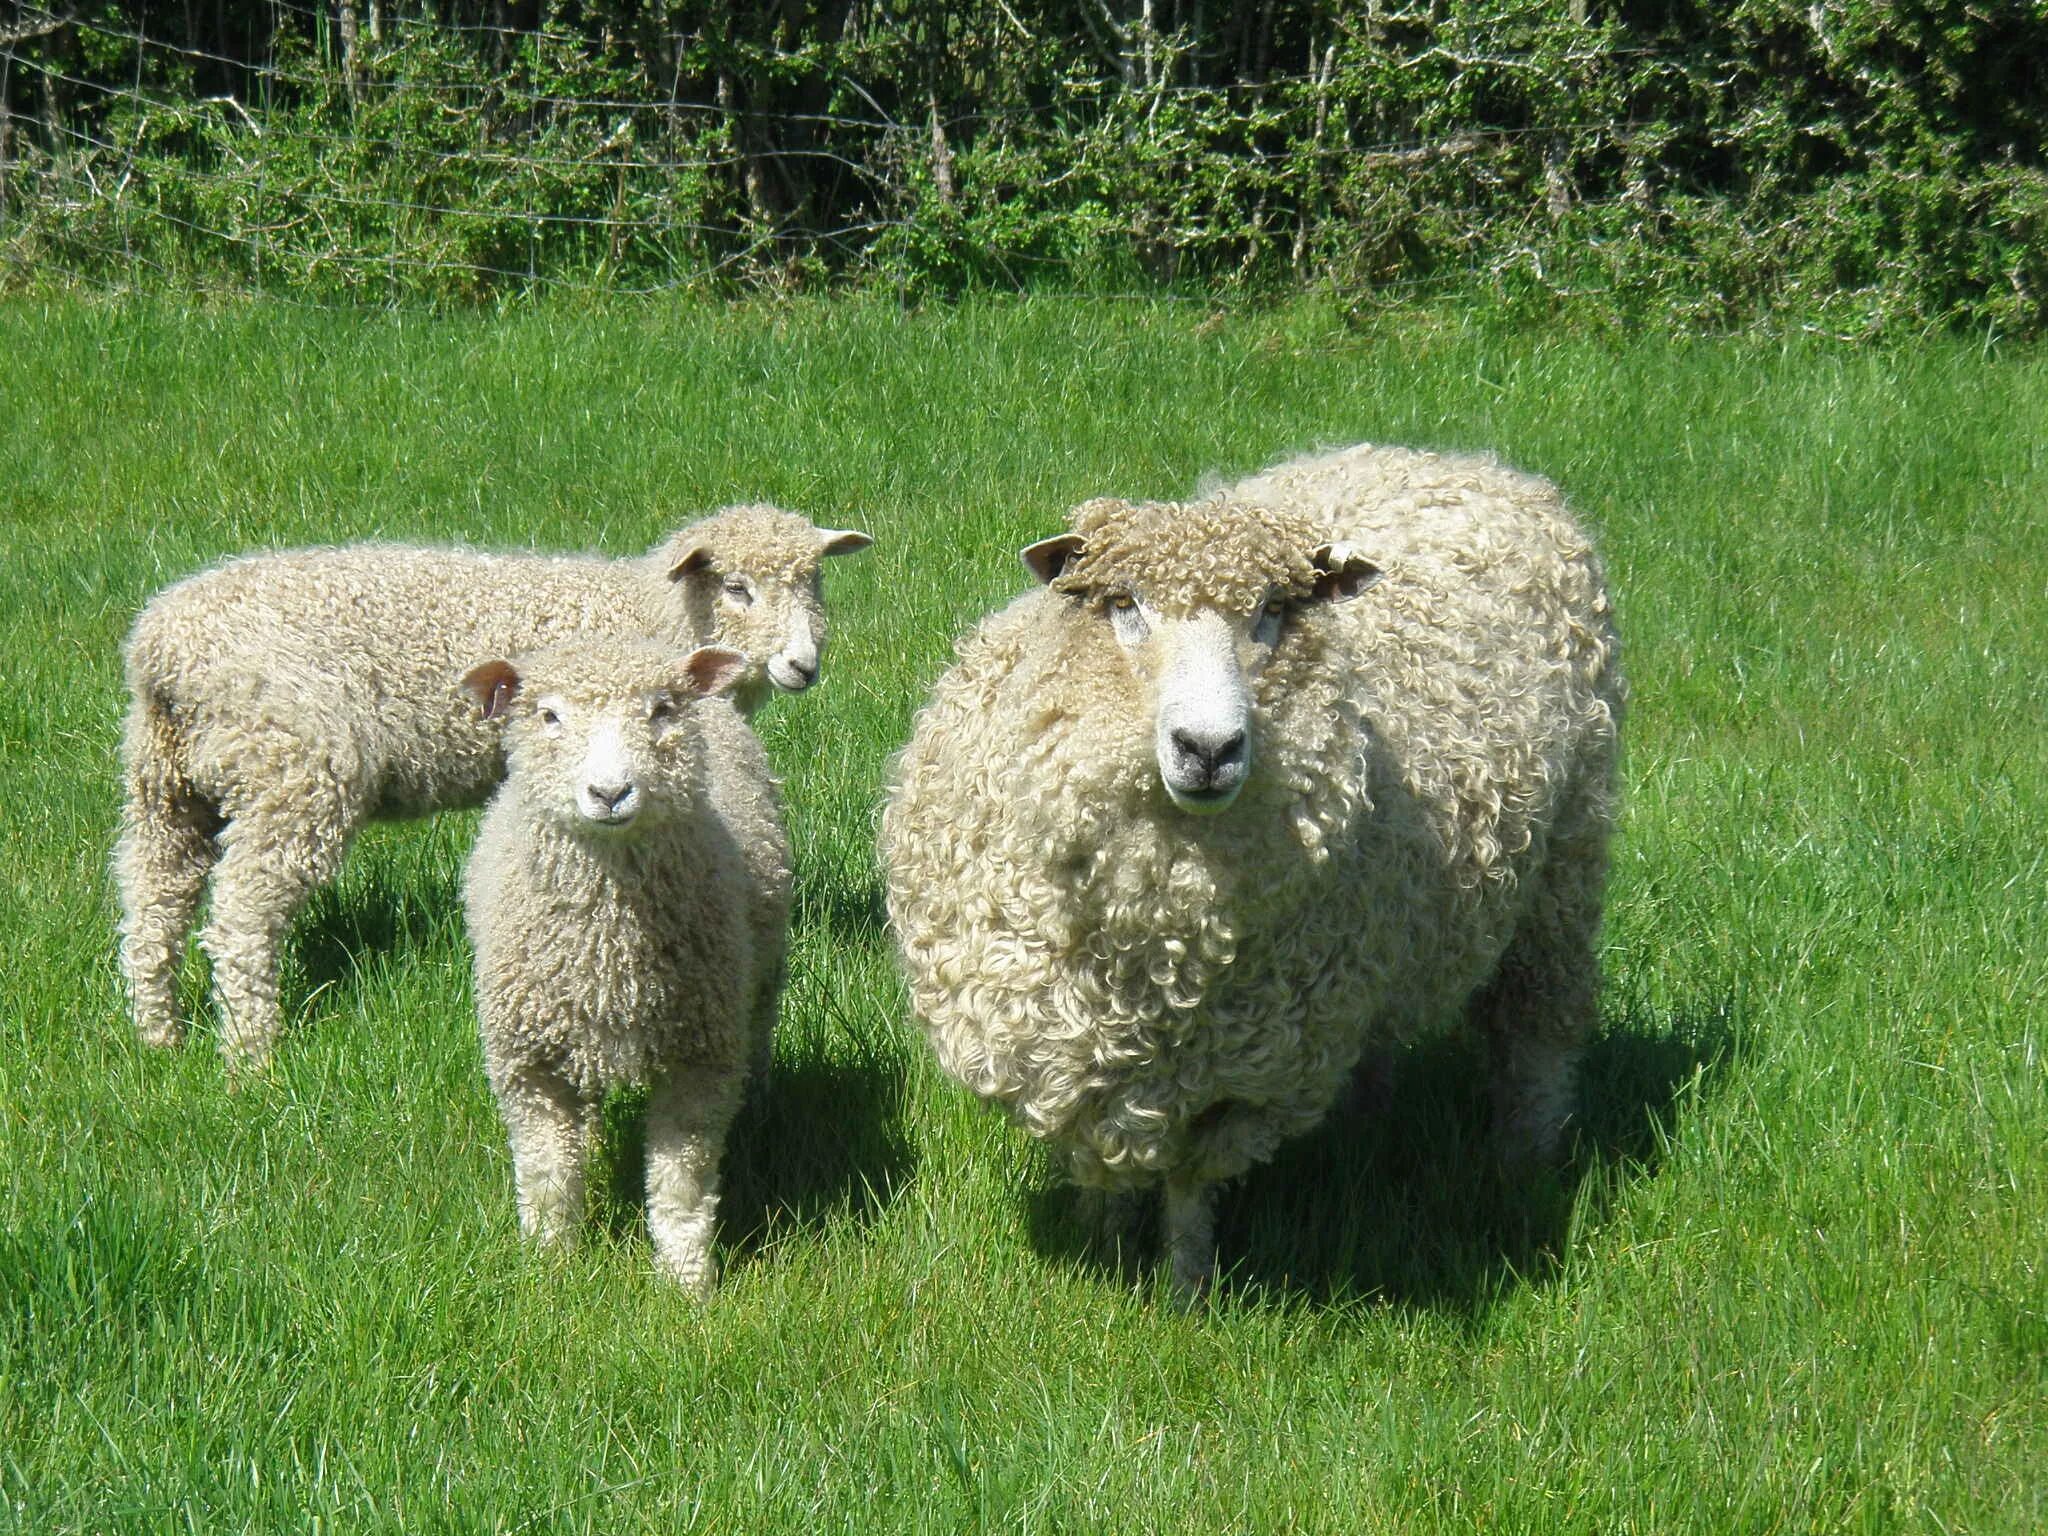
842	911
828	1142
343	926
338	932
1408	1204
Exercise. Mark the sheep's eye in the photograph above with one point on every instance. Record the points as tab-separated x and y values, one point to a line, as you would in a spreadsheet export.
662	711
1126	618
1276	608
737	589
549	717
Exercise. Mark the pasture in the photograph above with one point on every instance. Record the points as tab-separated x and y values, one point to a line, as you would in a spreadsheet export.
1793	1280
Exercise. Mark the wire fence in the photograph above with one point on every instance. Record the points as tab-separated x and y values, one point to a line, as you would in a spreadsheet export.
416	167
359	150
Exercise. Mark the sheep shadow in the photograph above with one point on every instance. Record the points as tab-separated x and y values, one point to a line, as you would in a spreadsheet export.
841	912
1407	1204
826	1142
342	928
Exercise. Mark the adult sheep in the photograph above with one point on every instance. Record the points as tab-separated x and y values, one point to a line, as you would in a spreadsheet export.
280	701
1252	784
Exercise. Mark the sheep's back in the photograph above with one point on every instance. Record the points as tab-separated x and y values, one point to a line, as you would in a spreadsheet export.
359	652
1486	660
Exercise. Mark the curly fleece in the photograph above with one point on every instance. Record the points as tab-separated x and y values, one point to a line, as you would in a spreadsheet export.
650	954
1165	997
279	701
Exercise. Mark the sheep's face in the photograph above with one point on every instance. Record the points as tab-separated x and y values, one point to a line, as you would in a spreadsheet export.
1197	600
750	579
596	735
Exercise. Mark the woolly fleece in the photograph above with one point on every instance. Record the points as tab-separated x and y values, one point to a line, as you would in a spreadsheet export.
644	954
1165	997
279	701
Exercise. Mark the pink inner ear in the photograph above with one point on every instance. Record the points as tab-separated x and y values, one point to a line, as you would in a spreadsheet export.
1048	558
712	668
494	684
1342	572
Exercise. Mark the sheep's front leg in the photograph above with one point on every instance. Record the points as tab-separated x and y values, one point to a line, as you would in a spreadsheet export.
1110	1216
1188	1237
688	1113
548	1127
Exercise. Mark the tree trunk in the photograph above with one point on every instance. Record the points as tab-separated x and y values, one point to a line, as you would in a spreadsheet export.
351	51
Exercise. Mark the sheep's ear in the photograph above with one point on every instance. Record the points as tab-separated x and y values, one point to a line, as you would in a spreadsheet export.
693	557
712	669
1342	572
841	541
1048	557
495	685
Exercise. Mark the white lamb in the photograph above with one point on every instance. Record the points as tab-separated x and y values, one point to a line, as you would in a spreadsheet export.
628	900
1255	783
281	701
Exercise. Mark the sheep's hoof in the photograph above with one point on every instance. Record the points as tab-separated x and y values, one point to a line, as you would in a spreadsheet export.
164	1035
246	1067
1188	1227
1526	1148
1191	1280
1112	1226
696	1275
552	1232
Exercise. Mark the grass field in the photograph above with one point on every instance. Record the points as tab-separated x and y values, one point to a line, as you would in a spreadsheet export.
1796	1280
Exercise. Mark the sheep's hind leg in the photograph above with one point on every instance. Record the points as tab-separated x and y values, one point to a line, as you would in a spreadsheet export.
1188	1237
273	856
160	866
1539	1009
1111	1221
549	1128
688	1114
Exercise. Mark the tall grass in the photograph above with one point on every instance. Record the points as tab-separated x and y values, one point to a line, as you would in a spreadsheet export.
1792	1282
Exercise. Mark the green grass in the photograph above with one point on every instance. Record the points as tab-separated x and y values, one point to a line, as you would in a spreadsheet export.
1794	1281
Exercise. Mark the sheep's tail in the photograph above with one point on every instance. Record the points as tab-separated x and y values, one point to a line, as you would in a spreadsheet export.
156	753
156	758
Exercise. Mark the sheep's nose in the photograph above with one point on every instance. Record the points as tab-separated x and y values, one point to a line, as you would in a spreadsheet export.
792	674
609	795
1211	754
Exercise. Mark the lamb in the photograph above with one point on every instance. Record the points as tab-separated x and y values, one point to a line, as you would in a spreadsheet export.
280	701
628	899
1252	785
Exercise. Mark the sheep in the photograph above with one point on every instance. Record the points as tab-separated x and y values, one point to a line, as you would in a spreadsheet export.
280	701
627	899
1249	786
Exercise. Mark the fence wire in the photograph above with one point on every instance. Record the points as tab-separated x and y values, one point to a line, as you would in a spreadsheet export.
445	155
351	181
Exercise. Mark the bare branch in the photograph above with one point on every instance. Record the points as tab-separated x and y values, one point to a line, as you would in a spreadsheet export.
34	29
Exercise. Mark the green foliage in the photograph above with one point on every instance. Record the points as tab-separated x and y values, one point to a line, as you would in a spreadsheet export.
1856	164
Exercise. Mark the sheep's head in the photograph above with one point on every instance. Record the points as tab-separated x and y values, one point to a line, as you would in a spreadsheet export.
749	578
596	731
1197	597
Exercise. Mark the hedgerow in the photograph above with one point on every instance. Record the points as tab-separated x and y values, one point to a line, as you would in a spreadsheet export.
1859	165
